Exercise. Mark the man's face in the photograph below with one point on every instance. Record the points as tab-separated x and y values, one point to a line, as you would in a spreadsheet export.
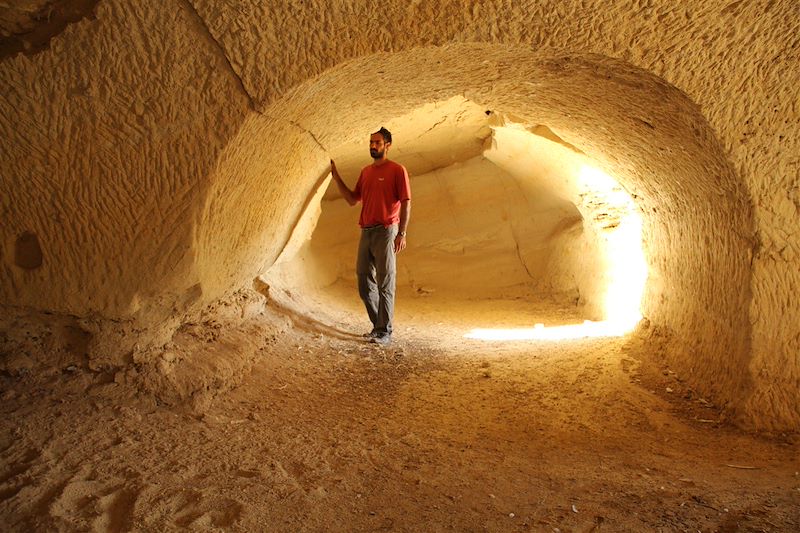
377	146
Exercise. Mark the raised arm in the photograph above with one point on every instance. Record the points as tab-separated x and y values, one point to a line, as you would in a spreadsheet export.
348	195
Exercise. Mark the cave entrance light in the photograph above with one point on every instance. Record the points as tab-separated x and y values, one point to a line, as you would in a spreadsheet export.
626	268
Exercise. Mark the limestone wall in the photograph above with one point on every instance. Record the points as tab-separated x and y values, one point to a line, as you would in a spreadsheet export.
157	155
110	138
475	234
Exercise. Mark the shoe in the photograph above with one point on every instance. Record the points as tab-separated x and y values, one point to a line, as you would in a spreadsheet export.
384	339
371	335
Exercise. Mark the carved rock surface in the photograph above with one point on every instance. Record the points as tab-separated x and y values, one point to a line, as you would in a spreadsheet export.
161	153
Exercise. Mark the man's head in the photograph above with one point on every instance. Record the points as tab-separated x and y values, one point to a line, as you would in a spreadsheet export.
379	143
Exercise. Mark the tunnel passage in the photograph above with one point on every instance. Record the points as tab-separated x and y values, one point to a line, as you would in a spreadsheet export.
630	124
236	202
500	211
157	183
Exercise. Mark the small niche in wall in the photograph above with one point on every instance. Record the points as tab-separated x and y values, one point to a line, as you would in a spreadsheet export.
27	252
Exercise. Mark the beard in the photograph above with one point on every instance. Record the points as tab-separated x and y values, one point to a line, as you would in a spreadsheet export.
376	154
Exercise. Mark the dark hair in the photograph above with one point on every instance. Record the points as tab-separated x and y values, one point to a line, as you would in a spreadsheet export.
387	135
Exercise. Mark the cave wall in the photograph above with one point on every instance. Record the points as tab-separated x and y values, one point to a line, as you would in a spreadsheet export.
134	134
478	232
111	136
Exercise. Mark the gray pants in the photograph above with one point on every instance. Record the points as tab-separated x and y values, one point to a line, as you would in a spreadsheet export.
376	269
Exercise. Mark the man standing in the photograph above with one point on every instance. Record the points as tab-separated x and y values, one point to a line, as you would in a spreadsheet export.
385	196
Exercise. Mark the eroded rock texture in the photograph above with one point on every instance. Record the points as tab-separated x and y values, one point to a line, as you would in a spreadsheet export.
158	155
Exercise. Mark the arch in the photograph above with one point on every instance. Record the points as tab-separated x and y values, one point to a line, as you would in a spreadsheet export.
697	218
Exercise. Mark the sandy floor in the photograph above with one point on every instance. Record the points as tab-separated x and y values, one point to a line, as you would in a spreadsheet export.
435	433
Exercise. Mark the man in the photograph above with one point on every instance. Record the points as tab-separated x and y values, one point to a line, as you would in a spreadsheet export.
385	196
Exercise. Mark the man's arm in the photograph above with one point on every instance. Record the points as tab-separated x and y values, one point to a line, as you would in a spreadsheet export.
405	215
348	195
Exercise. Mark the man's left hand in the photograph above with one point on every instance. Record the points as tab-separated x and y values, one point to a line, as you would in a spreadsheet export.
399	243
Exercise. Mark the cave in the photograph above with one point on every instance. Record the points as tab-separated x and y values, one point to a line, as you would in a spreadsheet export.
596	306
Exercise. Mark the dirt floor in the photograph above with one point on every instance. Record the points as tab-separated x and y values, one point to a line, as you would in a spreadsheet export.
434	433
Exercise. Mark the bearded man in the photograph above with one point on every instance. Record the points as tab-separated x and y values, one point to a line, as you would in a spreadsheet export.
385	195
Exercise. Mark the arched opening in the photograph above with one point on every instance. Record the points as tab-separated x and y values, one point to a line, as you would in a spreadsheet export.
501	213
629	123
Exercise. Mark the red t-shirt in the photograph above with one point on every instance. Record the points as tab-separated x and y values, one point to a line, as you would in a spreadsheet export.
381	189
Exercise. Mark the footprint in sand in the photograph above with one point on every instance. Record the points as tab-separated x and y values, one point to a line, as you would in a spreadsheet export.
197	511
13	479
96	505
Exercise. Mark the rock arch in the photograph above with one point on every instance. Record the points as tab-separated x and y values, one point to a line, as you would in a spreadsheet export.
632	124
